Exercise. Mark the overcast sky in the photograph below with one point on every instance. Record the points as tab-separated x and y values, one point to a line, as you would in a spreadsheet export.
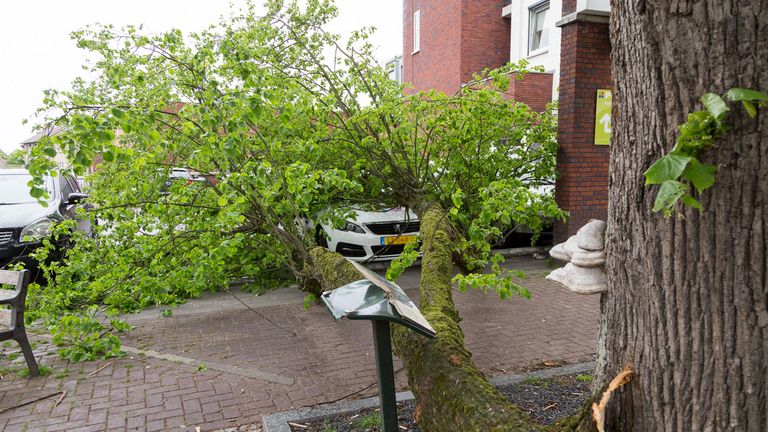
36	52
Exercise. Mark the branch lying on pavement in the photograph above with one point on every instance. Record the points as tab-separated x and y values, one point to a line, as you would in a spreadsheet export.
99	369
62	393
348	394
292	333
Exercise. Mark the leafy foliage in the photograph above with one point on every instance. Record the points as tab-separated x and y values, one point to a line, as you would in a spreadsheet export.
285	137
406	259
16	158
697	135
86	338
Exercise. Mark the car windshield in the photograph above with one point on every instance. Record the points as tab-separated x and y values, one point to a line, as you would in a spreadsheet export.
14	189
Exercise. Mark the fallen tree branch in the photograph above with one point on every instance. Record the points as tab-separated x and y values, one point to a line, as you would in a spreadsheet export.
450	392
33	401
356	392
99	369
292	333
63	395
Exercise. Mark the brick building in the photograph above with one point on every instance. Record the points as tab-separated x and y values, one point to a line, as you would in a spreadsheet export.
446	41
585	67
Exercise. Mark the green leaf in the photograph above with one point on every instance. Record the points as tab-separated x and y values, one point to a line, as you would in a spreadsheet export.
456	198
36	192
692	202
701	175
669	192
750	108
49	151
118	113
669	167
741	94
714	104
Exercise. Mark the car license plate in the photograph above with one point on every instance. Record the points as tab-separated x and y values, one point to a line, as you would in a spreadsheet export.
397	240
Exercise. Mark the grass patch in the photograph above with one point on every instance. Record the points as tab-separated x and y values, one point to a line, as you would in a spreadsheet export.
368	421
61	375
13	355
327	427
584	378
7	370
536	381
44	370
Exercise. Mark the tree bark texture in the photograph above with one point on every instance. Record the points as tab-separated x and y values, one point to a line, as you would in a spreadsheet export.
687	305
451	393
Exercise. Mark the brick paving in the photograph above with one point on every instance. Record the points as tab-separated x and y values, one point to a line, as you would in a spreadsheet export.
268	354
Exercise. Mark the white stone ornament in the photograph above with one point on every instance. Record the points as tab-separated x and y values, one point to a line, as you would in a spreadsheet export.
585	253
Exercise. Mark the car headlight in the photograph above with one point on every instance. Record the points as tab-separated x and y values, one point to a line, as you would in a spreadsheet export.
36	230
353	227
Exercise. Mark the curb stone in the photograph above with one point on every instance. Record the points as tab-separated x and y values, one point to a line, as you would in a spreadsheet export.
278	422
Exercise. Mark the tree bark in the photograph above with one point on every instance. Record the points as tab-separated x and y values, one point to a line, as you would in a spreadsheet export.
687	305
451	393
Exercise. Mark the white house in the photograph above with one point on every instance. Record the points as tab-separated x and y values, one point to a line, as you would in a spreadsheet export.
535	33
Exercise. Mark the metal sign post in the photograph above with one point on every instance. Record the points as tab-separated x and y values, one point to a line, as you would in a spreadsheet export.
386	374
379	301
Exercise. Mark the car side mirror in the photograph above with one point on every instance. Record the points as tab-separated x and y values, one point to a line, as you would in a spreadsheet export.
76	197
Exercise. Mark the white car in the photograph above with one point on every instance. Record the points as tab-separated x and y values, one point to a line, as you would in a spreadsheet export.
371	236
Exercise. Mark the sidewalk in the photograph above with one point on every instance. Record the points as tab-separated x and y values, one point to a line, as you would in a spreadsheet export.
225	360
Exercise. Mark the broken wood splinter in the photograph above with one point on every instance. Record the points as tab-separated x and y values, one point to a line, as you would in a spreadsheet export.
598	410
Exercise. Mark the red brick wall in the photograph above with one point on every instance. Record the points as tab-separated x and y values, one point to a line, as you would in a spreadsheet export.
585	67
484	37
458	38
534	90
437	64
569	6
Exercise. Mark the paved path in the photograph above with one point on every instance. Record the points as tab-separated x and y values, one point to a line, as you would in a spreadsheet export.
224	360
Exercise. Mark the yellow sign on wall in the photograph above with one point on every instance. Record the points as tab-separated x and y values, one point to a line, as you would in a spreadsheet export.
603	118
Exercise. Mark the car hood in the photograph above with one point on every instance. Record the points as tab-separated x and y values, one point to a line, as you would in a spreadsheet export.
21	215
388	215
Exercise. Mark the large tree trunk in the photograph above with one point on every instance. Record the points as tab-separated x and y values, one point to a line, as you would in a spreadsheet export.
688	302
451	393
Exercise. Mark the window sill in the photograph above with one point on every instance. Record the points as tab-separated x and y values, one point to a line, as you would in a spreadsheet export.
415	52
538	52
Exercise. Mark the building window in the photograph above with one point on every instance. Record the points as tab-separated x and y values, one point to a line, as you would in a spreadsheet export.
416	31
538	33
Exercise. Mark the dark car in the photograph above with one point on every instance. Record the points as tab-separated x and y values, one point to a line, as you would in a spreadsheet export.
24	222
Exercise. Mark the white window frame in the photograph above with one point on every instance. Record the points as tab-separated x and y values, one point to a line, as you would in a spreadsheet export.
532	11
416	31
